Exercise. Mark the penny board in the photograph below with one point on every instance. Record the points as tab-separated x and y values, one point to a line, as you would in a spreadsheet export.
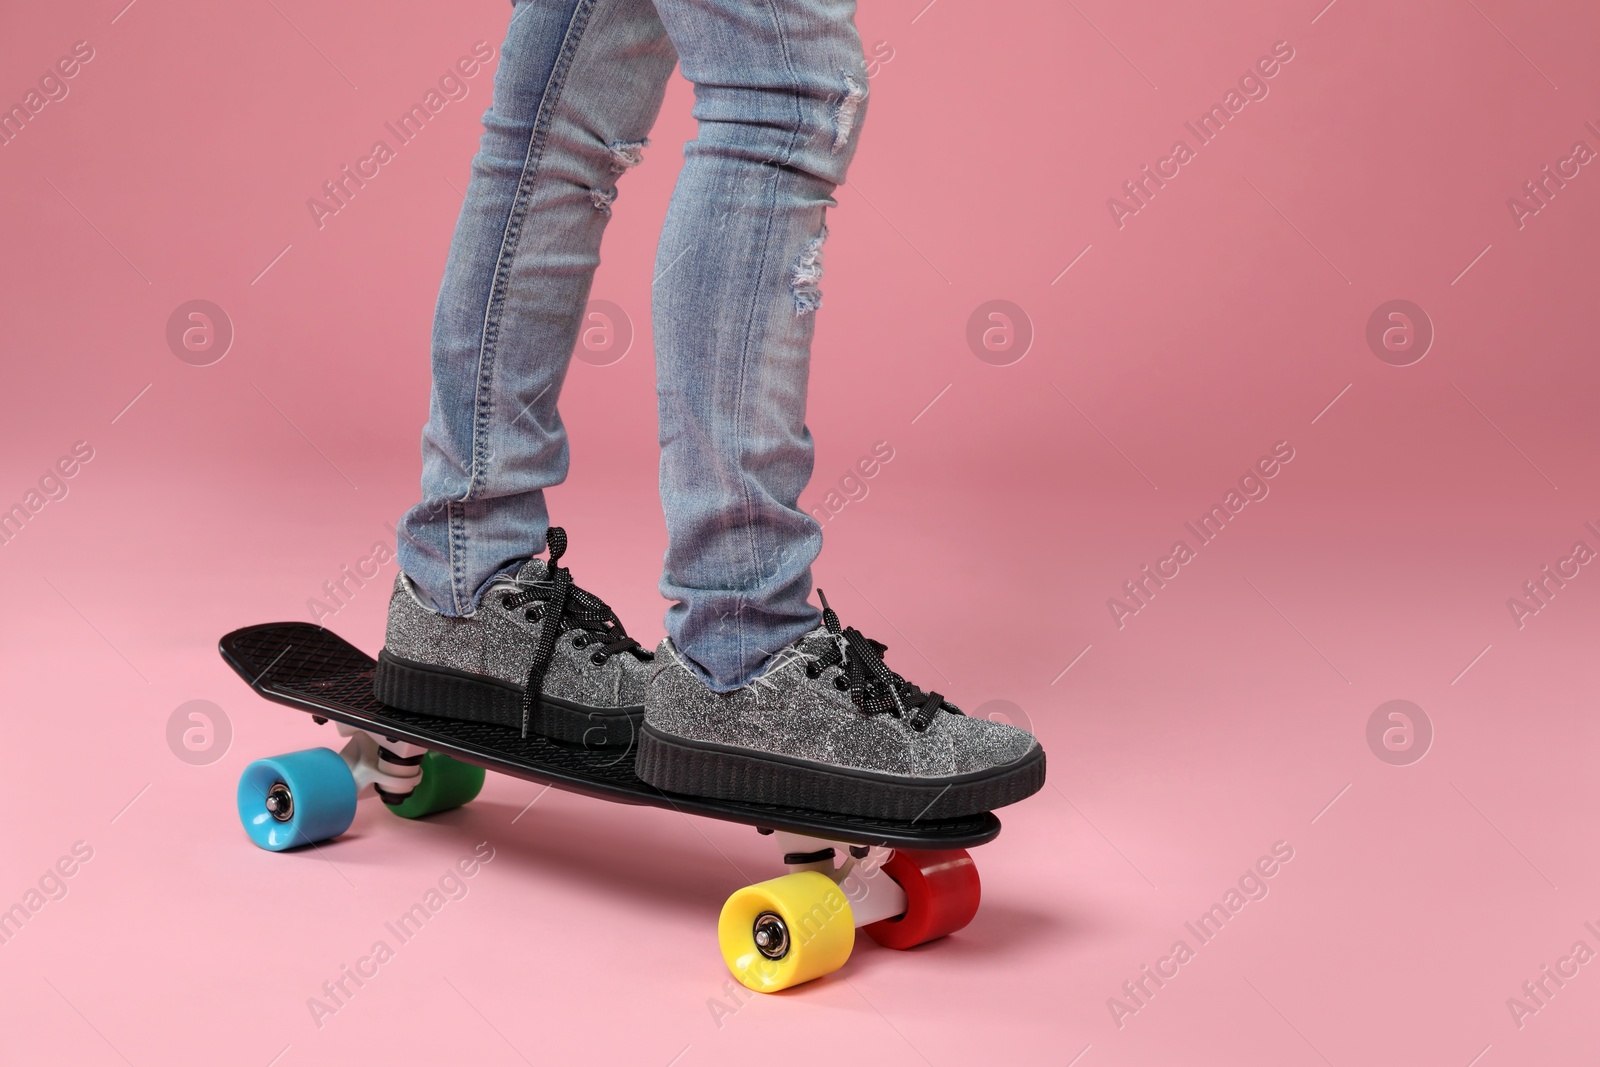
317	671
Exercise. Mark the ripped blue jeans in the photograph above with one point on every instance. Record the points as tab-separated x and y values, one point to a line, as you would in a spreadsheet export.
780	95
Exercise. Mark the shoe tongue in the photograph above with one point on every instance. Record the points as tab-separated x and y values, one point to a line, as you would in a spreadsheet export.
531	571
817	641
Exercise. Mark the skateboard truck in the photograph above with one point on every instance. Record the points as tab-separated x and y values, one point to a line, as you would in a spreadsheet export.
873	895
392	768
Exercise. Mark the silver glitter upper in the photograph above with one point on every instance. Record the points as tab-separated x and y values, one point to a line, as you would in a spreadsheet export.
787	713
498	642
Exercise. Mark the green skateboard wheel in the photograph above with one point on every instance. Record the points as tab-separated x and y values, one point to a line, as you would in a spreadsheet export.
445	784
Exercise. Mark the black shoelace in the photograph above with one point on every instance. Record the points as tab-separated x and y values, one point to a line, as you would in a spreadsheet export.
563	607
872	685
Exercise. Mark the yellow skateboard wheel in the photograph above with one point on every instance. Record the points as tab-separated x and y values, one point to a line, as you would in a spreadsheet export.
784	931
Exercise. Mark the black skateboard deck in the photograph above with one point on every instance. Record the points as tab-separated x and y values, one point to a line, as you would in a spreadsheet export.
317	671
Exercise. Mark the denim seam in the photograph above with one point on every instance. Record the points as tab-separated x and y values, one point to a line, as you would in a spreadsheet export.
456	522
488	346
510	240
739	427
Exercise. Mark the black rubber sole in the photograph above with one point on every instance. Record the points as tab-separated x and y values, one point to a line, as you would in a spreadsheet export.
701	769
428	689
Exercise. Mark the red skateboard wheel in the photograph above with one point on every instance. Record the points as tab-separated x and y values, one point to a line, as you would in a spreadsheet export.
942	892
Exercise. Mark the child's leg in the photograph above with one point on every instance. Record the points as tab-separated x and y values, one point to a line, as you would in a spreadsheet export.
780	94
578	87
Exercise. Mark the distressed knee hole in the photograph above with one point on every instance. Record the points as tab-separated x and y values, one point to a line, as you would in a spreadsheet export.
625	154
806	278
844	113
622	155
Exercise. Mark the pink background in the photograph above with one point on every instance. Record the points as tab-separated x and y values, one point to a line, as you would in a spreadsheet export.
1226	716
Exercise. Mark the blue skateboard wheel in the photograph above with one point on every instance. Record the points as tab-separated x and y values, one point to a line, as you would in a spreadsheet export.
296	799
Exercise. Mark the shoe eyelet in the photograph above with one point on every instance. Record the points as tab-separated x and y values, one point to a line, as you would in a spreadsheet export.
598	659
841	683
532	614
813	671
505	602
579	642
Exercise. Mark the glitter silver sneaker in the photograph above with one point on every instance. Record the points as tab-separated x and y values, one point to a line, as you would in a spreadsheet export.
828	727
539	654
